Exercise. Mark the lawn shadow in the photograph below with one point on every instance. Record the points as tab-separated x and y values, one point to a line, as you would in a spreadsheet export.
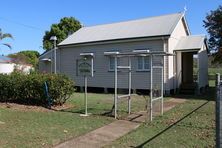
169	127
209	95
94	111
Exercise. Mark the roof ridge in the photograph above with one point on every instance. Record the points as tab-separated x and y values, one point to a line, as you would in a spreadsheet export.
131	20
150	26
203	35
195	35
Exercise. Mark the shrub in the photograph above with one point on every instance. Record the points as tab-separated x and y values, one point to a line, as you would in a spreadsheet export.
29	89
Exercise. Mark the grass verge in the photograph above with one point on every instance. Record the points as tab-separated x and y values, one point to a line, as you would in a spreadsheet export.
191	124
34	128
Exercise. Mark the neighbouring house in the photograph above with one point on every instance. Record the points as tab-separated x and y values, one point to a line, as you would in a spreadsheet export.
169	33
7	66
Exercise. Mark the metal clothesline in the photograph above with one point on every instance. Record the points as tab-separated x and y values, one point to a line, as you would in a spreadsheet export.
137	53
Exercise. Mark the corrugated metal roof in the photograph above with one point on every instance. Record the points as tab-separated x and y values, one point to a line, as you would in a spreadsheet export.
147	27
191	42
4	59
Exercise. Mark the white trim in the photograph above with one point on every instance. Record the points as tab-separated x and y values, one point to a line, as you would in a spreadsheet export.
112	69
186	25
87	54
46	60
143	64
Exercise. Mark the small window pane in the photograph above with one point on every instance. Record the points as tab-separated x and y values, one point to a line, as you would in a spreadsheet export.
111	63
140	62
146	63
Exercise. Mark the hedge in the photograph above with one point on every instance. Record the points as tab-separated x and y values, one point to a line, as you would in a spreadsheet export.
29	89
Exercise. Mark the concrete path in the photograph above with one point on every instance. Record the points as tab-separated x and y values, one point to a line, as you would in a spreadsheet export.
102	136
111	132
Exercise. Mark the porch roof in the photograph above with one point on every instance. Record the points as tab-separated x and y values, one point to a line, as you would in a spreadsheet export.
191	43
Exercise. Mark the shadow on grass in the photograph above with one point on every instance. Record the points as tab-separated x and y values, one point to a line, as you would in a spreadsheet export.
169	127
209	95
195	127
96	112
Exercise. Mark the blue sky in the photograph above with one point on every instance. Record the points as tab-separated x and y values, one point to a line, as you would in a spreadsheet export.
27	20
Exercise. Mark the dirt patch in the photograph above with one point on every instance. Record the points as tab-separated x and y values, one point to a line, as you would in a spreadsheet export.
169	104
24	108
63	107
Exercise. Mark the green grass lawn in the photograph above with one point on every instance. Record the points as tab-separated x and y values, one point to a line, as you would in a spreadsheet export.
196	129
31	128
34	128
99	104
213	71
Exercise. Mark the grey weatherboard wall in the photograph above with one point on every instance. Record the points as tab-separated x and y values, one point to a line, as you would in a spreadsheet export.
103	77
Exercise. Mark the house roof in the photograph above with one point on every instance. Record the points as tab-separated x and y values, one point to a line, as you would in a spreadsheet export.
191	42
147	27
45	53
4	59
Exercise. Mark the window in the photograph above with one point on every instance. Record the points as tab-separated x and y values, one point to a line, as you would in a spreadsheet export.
112	63
143	63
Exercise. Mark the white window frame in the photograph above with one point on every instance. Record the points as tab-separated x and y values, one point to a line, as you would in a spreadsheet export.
143	64
112	69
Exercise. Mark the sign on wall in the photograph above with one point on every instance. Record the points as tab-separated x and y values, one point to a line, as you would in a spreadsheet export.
85	67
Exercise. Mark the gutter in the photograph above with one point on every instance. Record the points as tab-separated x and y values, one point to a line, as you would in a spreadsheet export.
117	40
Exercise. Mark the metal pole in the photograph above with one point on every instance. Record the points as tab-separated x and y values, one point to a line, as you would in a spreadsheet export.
217	79
218	111
86	103
151	87
115	95
51	63
55	56
162	88
130	74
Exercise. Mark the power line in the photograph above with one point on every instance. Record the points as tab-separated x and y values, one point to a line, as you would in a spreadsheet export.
22	24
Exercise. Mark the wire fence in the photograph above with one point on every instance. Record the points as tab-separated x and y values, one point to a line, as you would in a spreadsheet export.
218	111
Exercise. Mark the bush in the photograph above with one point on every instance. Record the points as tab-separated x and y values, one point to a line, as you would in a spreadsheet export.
29	89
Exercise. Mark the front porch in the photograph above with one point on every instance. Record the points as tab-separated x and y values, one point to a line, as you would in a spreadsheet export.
191	78
189	84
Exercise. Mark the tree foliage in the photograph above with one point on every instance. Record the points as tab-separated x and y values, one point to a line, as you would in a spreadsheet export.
26	57
213	24
4	36
61	30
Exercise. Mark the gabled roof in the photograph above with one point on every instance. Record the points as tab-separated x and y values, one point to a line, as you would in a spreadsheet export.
191	42
147	27
45	53
4	59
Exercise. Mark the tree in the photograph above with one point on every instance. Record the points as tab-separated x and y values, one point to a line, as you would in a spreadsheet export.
26	57
213	24
4	36
32	56
18	58
61	30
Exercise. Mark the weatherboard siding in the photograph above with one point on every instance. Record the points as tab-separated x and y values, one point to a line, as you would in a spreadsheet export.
174	74
102	76
46	66
203	67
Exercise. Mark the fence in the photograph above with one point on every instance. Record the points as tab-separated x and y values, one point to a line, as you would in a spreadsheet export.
210	77
218	111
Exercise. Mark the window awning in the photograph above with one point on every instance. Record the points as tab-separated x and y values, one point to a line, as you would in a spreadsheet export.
137	53
46	59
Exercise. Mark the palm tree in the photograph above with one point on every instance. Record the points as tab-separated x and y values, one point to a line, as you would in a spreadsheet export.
3	36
